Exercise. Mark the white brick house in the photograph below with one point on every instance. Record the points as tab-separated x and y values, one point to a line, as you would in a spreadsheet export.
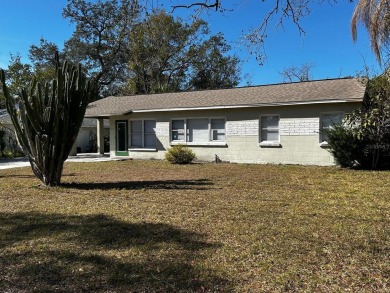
279	123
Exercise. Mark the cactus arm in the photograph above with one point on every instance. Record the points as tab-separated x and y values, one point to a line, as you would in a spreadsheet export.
33	116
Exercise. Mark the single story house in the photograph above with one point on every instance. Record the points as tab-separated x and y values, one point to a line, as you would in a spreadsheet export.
278	123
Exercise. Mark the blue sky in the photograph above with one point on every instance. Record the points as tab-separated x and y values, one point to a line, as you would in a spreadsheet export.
327	42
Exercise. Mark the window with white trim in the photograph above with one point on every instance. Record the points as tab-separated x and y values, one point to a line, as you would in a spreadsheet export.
327	120
217	131
198	130
178	130
143	134
269	129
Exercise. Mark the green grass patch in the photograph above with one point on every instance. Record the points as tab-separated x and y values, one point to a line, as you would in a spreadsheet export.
149	226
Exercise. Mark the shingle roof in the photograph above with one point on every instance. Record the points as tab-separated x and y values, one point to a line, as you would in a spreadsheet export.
319	91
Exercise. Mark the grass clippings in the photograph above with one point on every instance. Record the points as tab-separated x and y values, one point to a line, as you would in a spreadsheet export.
149	226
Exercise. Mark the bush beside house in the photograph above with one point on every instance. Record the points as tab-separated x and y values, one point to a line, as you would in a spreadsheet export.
364	139
180	154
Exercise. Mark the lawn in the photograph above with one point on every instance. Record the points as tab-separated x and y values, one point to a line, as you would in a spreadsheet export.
148	226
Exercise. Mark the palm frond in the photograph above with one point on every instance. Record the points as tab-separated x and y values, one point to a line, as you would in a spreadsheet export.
374	15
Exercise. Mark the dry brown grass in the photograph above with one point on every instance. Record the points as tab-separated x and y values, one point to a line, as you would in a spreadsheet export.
148	226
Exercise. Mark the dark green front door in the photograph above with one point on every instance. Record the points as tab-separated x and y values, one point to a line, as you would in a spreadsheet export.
121	128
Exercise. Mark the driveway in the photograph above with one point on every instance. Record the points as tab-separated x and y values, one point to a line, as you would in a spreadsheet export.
23	162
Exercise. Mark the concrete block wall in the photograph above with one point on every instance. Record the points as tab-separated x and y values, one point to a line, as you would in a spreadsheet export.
299	134
242	128
299	126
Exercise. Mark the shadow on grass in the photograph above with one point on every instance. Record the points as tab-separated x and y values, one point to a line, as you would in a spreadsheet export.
31	176
18	176
200	184
98	253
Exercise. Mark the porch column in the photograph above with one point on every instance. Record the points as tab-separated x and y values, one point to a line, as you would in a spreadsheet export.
100	135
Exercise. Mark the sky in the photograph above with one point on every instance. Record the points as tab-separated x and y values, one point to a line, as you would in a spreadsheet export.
327	42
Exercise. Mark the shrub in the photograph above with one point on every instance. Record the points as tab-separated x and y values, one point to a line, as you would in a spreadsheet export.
9	147
180	154
364	140
347	149
372	122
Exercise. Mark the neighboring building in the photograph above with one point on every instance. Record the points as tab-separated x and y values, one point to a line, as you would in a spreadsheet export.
86	141
279	124
6	127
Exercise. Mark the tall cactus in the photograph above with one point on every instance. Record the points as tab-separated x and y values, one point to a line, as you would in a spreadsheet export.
47	119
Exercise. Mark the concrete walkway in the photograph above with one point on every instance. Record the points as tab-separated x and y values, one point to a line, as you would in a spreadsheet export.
23	162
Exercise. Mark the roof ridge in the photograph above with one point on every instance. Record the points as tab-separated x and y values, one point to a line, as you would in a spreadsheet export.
241	87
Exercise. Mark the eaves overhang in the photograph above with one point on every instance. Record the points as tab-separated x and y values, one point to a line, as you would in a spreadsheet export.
259	105
107	115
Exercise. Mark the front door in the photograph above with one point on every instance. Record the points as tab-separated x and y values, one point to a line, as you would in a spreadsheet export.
121	138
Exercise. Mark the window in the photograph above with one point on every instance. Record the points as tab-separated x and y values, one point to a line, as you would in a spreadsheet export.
269	129
178	130
217	130
150	133
136	134
198	130
327	120
143	134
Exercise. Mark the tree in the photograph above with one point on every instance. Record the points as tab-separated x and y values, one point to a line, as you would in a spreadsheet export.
295	73
42	67
168	55
47	119
19	76
375	16
101	40
211	69
160	53
43	60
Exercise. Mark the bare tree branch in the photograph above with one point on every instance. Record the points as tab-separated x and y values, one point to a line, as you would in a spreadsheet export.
373	14
216	4
292	10
297	73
